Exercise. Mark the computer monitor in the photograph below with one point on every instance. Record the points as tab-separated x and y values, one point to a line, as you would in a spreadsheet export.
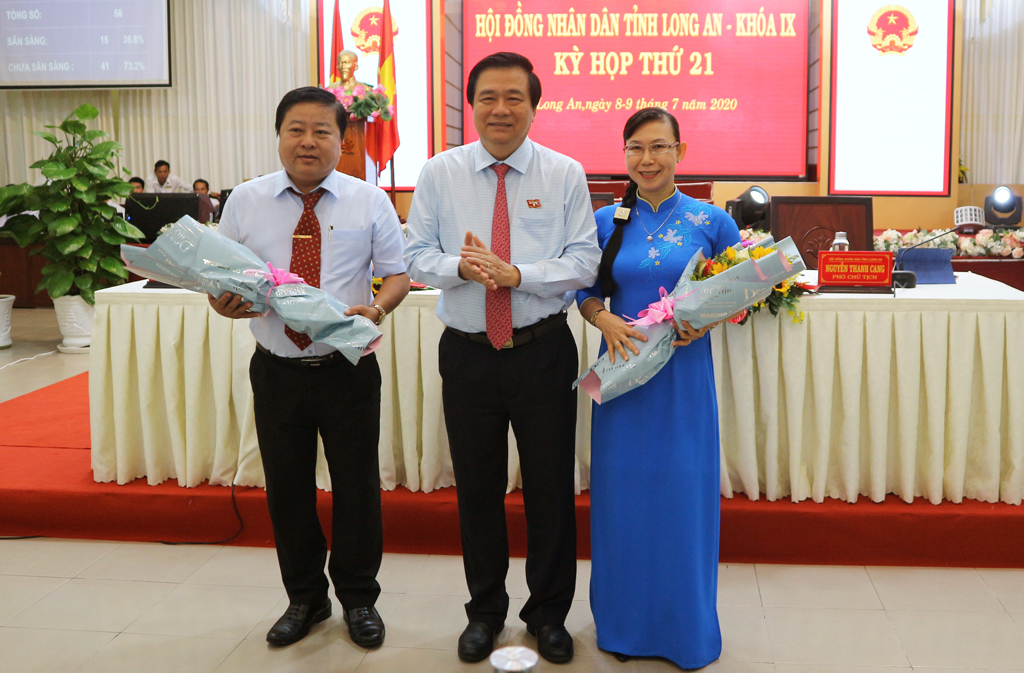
224	194
150	212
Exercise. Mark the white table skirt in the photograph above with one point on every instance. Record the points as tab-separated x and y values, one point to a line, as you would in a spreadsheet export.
170	396
917	395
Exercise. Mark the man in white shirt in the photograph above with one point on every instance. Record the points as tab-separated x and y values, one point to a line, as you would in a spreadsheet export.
161	181
504	227
302	388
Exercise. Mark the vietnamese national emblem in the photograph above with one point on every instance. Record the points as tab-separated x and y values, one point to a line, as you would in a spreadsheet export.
366	29
892	30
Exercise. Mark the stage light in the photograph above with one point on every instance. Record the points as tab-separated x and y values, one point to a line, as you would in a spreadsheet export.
751	209
1001	198
1003	208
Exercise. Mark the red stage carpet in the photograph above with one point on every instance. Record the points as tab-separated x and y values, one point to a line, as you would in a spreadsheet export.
46	488
55	417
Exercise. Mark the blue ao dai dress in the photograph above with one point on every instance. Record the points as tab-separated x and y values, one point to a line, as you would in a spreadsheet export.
654	476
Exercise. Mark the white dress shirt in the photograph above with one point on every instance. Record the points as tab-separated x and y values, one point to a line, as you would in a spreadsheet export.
173	184
551	222
358	225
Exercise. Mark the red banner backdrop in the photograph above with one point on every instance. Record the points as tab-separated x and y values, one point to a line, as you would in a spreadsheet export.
733	72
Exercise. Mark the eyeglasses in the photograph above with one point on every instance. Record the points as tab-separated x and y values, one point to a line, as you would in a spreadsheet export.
655	148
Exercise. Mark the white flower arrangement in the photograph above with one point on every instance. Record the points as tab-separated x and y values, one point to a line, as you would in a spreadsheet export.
968	247
986	243
918	236
889	241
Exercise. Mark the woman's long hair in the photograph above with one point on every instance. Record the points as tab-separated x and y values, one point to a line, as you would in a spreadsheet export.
611	250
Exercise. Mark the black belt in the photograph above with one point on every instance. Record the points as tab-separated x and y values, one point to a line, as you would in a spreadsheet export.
520	336
310	361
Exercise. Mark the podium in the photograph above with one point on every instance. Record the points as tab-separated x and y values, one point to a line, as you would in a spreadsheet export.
813	221
353	150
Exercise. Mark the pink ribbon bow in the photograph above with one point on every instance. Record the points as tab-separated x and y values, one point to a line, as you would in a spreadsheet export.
659	311
276	277
281	277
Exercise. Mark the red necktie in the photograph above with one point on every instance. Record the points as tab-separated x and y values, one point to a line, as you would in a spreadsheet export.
499	302
306	253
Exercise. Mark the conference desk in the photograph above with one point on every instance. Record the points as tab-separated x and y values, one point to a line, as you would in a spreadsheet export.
918	394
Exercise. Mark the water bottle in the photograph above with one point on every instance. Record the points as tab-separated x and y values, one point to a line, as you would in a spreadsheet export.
520	659
840	242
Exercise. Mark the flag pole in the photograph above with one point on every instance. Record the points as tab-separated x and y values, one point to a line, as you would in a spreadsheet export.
392	163
386	77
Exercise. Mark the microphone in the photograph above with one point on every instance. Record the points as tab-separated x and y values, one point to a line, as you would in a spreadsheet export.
902	278
954	230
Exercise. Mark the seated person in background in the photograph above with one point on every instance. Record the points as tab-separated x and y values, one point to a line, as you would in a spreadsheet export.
138	187
160	181
117	206
200	186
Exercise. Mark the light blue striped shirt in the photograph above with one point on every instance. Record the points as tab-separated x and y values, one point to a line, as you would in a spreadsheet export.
551	222
358	226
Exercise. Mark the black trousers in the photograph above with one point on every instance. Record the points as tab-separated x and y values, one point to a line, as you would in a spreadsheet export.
530	387
341	402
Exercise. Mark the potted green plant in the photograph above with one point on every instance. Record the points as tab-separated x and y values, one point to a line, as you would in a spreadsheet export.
70	223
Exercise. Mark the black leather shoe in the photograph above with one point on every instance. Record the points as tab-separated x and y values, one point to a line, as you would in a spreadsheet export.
553	642
295	622
477	642
365	626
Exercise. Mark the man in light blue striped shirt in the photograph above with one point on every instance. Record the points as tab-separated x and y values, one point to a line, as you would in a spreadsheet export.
504	227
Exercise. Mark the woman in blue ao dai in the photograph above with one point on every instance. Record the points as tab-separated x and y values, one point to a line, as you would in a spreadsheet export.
655	450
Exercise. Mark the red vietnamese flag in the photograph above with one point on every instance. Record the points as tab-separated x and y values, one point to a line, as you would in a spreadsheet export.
337	45
387	132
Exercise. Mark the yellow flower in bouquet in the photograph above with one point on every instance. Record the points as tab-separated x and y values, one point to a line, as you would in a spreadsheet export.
726	260
787	295
784	296
761	251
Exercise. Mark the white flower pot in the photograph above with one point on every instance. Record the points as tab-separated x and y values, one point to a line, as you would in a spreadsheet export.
75	319
6	304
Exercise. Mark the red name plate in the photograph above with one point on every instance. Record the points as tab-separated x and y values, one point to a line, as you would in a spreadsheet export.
854	269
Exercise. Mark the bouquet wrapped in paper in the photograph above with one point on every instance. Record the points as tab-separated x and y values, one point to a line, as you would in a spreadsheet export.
710	290
197	258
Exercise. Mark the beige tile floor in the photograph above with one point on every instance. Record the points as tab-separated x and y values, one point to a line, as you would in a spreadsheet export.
96	606
100	607
34	331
